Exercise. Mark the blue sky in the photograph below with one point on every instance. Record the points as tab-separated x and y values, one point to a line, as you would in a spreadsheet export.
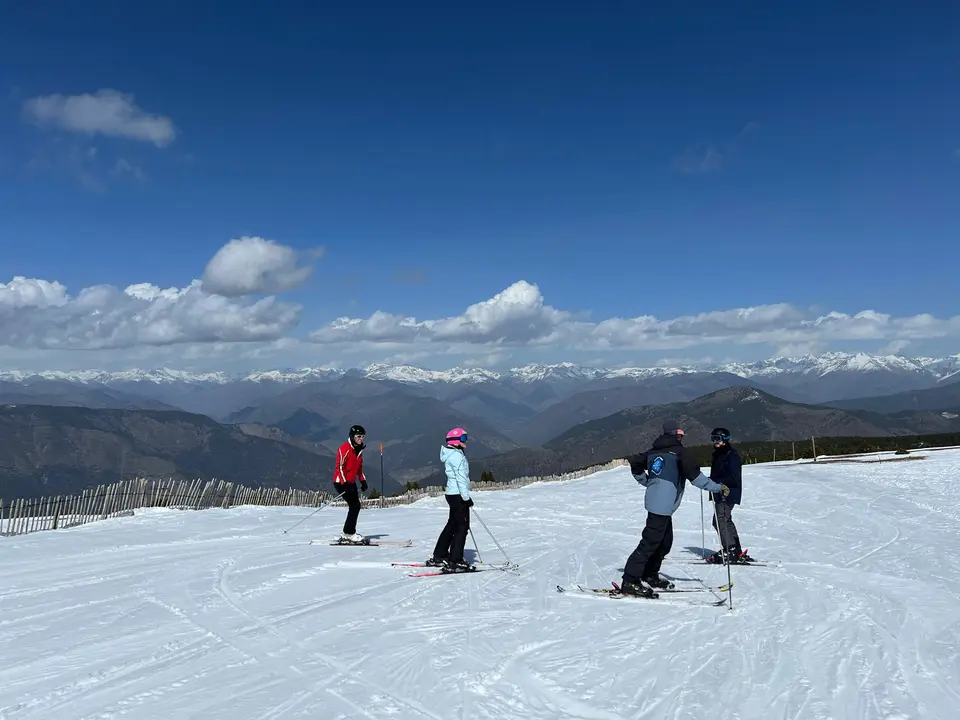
626	160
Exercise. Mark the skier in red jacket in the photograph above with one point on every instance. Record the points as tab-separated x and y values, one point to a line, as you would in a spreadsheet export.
345	476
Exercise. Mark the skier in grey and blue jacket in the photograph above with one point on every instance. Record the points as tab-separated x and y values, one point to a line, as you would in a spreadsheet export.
664	471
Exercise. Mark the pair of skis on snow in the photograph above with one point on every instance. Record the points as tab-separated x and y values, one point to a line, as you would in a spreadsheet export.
614	593
436	572
366	542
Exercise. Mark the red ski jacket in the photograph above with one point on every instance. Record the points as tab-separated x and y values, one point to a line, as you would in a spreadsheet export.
349	464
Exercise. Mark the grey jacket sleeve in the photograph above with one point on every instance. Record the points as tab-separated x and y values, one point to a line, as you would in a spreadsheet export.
642	478
705	483
691	471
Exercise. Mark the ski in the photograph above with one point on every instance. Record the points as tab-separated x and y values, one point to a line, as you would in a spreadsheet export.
366	543
440	572
616	591
503	568
734	565
739	563
617	595
686	589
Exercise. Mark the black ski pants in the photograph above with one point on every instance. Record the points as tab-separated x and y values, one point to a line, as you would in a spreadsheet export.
655	542
729	538
351	493
453	537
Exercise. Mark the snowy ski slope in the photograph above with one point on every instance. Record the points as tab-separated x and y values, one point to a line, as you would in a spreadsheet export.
218	614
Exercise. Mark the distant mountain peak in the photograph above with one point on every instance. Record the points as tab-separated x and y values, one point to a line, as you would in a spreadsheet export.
536	372
417	375
290	375
737	394
771	368
836	362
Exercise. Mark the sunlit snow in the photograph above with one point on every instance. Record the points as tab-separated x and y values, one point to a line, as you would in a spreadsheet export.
219	614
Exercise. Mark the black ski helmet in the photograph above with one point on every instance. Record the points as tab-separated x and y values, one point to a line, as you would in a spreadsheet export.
357	430
720	435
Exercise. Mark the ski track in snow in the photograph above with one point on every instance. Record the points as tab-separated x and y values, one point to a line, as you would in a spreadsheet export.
219	614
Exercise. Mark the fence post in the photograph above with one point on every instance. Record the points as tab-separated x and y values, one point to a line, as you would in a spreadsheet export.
56	514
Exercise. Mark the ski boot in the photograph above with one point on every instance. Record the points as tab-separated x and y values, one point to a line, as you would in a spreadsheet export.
352	539
460	566
628	587
658	583
435	562
721	557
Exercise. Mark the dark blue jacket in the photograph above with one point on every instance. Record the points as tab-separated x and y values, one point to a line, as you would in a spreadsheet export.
726	470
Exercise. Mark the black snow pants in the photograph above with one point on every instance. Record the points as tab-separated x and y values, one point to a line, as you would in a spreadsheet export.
351	493
655	542
453	537
729	538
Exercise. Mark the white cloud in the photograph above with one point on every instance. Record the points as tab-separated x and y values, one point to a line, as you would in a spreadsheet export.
698	160
41	314
253	265
518	316
708	157
105	112
125	167
894	347
44	325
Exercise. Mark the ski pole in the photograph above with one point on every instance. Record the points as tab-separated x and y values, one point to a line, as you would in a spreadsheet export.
492	537
381	476
479	559
723	553
703	537
314	512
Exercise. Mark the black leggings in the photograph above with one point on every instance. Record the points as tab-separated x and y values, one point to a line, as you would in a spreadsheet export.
454	534
352	495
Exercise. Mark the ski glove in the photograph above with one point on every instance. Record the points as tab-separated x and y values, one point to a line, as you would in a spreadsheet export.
337	488
724	489
363	485
469	503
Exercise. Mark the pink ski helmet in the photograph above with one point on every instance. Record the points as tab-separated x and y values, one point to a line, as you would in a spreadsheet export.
457	436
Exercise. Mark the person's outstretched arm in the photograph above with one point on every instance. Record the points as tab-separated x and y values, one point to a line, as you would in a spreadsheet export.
690	470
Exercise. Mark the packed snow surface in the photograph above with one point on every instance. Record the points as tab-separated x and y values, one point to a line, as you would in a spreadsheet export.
219	614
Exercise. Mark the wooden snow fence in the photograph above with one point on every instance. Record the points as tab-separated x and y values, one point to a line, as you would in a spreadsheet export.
120	499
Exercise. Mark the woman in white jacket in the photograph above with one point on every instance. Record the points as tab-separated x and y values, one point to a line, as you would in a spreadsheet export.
448	552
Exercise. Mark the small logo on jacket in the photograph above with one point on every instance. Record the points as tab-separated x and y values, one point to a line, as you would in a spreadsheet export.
657	465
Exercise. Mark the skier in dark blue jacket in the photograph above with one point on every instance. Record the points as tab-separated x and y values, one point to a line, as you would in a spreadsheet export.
726	469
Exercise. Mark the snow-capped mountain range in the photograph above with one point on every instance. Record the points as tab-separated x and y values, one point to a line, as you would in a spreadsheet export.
810	366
